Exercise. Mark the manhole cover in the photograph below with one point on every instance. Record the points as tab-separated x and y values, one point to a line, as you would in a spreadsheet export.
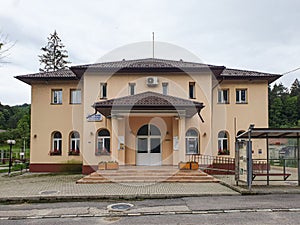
119	207
48	192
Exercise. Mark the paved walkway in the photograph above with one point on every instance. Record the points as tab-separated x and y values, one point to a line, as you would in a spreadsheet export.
47	187
260	187
59	187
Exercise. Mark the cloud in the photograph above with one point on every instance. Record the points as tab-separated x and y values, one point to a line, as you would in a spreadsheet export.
256	35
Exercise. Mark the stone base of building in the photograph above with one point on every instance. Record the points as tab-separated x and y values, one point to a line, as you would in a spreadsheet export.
88	169
54	168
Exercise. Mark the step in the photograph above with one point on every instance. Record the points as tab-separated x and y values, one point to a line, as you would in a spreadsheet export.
143	181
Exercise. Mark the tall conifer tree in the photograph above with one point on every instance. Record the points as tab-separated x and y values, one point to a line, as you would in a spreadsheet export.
54	55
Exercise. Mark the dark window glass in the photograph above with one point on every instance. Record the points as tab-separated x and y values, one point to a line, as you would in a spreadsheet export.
192	90
155	145
103	132
142	145
143	130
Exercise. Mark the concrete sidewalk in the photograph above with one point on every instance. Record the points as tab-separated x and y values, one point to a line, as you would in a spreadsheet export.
59	187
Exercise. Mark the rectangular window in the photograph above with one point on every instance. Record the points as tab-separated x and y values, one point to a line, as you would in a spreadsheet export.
165	88
241	95
131	88
103	90
75	96
223	96
192	90
56	96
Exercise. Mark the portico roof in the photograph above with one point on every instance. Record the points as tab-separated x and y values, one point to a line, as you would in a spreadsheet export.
149	101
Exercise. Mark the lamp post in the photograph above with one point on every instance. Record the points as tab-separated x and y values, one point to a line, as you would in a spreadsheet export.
11	143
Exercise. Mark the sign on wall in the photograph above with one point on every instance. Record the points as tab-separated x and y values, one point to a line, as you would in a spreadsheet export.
94	118
121	143
175	143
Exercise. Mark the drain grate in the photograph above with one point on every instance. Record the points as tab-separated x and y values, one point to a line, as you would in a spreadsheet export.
48	192
119	207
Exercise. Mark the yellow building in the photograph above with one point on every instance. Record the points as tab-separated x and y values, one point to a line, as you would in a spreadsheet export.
142	112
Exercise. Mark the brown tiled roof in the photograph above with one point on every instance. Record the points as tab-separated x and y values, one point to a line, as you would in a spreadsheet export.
145	65
65	74
148	65
148	101
232	74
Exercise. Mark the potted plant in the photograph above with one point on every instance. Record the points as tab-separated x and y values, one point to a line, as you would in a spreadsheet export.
101	165
194	165
112	165
73	152
223	151
183	165
55	152
188	165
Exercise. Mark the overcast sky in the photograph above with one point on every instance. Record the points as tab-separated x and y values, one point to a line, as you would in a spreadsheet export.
261	35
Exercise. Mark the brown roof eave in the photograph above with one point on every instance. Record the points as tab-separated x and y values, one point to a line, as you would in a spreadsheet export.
270	79
79	71
30	80
190	109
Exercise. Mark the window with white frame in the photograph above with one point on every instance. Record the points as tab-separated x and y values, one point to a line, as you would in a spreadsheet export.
131	87
223	148
241	95
192	92
223	96
165	86
103	90
74	143
56	143
192	141
75	96
103	142
56	97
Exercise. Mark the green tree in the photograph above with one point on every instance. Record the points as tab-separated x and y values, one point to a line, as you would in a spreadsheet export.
16	121
290	112
295	88
275	113
54	55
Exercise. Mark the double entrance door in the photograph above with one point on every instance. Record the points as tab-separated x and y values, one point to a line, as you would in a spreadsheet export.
148	146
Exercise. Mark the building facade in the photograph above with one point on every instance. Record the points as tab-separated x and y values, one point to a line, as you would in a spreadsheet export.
142	112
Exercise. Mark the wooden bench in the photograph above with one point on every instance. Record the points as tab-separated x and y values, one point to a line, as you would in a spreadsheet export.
285	176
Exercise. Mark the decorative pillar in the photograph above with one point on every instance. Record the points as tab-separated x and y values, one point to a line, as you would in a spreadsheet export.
114	138
181	141
121	140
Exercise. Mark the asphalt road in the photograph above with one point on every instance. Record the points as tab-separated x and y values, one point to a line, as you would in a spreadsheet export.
257	209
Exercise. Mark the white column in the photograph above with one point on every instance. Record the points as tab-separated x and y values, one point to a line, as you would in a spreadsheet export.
181	136
121	139
114	138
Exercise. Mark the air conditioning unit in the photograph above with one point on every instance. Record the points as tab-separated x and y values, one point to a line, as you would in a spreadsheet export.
152	81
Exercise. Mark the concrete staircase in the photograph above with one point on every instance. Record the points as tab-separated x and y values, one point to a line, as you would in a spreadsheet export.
141	174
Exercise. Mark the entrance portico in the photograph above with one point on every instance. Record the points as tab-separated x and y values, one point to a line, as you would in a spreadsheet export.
148	128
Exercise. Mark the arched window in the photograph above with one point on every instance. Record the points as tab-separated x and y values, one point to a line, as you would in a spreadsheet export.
56	143
148	130
74	143
192	141
223	148
103	142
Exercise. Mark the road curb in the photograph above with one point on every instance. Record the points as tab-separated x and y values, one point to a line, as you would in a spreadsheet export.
55	198
135	214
